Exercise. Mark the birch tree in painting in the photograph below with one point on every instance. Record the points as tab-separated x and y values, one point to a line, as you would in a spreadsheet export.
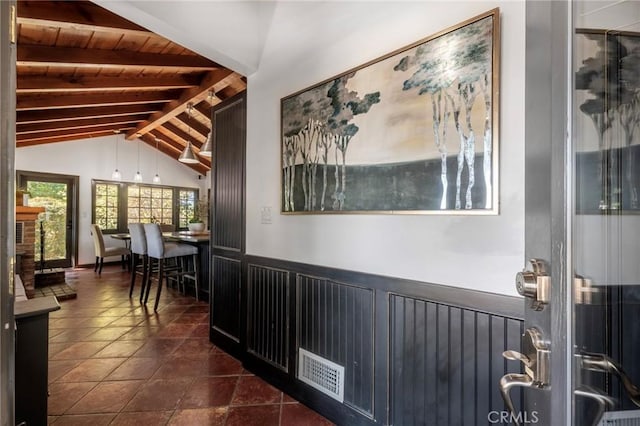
317	121
454	69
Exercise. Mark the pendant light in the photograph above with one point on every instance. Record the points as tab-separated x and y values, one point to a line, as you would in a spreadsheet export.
156	178
116	175
138	177
205	151
188	156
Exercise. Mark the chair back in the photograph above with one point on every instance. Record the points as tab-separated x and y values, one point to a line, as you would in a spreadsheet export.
155	243
138	238
98	240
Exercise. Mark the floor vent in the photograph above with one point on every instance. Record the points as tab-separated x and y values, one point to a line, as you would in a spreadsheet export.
19	232
621	418
321	374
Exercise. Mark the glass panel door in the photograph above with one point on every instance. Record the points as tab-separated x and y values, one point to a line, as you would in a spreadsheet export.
55	228
606	231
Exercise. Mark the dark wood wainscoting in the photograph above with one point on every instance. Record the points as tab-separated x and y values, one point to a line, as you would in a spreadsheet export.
414	353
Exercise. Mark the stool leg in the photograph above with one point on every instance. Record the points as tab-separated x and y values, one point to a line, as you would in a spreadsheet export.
196	272
95	269
160	273
148	280
101	263
145	275
134	261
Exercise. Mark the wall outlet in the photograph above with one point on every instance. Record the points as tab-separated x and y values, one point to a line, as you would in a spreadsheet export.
265	215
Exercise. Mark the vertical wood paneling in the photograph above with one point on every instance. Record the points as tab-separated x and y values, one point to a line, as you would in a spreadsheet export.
228	175
225	299
445	362
335	321
268	315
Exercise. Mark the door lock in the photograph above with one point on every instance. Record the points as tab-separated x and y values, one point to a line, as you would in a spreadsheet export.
535	284
535	357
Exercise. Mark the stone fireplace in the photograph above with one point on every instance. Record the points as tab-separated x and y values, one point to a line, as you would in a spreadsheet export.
26	218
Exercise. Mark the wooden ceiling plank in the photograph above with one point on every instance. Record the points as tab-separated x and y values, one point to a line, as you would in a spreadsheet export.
185	136
195	125
76	15
172	151
68	132
41	84
36	55
21	144
77	124
215	80
92	100
53	115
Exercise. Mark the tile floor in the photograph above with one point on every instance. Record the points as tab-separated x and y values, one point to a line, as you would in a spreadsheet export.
113	362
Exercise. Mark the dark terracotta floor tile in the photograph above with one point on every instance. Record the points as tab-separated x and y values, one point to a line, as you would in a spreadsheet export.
136	368
201	330
159	395
51	419
156	347
300	415
182	366
199	416
148	418
92	370
177	330
286	399
77	313
80	350
117	312
194	346
255	415
197	318
107	397
176	309
198	309
55	348
108	333
73	334
209	392
59	368
95	321
120	349
85	420
128	321
63	396
140	333
220	364
254	390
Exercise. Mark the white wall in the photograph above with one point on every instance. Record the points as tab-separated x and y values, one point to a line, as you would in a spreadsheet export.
96	159
312	41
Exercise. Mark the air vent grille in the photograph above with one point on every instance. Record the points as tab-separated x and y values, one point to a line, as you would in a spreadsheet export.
621	418
322	374
19	232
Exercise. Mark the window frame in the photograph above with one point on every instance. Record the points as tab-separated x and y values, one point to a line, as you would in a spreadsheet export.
123	201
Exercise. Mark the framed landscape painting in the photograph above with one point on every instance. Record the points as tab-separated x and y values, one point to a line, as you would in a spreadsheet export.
415	131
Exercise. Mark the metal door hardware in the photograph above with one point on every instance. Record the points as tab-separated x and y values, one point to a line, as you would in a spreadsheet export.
603	401
535	357
535	284
604	364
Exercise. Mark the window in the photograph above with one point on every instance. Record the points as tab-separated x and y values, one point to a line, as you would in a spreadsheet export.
116	204
106	205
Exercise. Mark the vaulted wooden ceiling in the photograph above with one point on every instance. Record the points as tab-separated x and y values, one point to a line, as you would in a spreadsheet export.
85	72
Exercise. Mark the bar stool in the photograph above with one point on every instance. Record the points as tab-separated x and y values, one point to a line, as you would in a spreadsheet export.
138	250
162	251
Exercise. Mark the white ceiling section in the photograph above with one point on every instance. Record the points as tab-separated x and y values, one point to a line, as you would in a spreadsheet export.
231	33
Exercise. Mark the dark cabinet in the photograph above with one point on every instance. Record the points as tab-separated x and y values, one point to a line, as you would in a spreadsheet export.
31	359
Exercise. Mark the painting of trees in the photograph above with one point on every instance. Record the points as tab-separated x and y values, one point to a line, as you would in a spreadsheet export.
356	142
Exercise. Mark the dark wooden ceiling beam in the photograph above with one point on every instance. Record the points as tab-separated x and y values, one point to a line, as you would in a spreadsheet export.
172	151
53	115
67	138
215	80
27	102
194	124
76	15
185	136
70	83
78	124
55	134
56	56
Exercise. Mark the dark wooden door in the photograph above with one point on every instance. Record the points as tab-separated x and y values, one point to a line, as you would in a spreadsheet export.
228	223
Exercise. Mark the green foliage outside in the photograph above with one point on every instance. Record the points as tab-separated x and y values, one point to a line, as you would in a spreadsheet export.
53	197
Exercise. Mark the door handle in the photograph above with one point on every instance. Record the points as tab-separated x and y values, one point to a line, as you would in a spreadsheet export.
601	399
535	357
604	364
